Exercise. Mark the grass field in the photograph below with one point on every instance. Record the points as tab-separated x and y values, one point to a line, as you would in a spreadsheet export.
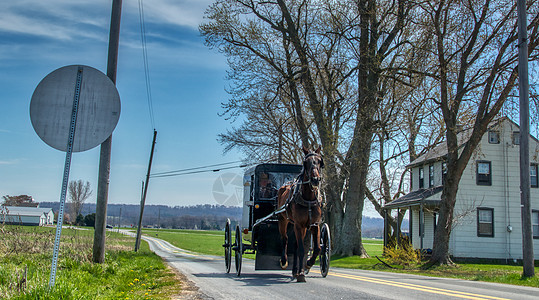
124	274
210	242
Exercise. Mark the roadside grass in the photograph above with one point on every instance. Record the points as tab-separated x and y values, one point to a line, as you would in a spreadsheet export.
508	274
210	242
490	272
124	274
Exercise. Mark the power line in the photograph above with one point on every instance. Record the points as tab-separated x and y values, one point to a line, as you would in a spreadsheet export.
145	60
199	171
196	168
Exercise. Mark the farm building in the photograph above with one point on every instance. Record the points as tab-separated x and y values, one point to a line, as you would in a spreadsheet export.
487	210
29	216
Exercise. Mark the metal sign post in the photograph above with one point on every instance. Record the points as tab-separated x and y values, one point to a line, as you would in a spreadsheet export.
65	179
82	110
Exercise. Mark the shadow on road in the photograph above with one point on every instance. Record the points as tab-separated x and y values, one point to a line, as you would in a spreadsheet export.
251	279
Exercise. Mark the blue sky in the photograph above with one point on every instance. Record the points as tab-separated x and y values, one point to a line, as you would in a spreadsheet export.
188	85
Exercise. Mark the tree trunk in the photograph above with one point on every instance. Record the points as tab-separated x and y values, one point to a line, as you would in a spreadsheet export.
350	242
440	253
333	190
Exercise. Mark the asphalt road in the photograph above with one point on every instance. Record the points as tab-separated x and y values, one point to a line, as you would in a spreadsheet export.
208	274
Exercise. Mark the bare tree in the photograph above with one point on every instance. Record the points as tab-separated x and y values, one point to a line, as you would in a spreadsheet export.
474	45
21	200
78	193
408	127
327	59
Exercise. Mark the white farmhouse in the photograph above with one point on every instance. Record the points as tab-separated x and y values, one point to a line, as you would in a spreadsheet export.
33	216
487	209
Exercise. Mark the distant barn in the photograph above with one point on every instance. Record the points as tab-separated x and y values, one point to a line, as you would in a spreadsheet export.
28	216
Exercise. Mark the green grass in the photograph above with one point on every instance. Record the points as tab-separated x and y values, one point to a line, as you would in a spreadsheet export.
200	241
210	242
124	274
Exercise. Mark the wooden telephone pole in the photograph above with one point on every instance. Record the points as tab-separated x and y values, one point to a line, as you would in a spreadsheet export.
527	238
144	191
106	146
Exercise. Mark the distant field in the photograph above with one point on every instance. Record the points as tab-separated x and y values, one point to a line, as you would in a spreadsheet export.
211	241
201	241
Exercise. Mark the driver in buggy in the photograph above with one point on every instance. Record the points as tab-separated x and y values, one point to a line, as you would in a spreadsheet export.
267	188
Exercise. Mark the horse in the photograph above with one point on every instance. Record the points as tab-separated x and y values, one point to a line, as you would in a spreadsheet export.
303	209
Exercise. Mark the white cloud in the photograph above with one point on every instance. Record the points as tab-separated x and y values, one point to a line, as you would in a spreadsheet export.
188	13
20	24
62	19
10	162
55	19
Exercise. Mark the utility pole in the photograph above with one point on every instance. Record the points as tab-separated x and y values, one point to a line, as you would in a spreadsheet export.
527	238
106	146
120	219
145	190
159	219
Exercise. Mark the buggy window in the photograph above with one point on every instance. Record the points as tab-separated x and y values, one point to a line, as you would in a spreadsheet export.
270	182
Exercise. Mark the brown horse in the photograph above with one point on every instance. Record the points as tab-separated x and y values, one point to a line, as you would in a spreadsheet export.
303	210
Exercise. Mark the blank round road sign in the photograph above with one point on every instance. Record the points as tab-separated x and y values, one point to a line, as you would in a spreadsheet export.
52	104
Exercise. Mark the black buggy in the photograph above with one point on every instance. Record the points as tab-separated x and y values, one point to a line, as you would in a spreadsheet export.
259	233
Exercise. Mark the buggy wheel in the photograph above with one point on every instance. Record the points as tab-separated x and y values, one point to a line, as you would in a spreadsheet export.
228	246
325	253
238	250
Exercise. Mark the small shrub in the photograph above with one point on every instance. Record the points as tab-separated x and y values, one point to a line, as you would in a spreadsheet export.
404	255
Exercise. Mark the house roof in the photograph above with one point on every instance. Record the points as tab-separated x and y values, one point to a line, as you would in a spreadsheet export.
417	197
439	152
25	211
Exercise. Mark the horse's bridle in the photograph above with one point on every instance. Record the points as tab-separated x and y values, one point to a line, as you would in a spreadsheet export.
314	188
305	171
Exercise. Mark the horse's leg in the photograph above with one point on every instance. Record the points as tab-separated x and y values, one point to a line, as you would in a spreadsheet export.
315	232
282	195
295	264
300	236
283	225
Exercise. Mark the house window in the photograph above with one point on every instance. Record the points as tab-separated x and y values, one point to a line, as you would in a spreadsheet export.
444	171
431	175
533	176
516	138
535	224
421	222
421	177
485	222
484	176
411	179
435	220
493	137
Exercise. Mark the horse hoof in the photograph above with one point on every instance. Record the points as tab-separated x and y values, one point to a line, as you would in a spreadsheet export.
283	267
301	278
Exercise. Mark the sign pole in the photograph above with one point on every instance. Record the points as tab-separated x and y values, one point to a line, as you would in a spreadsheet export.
65	179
